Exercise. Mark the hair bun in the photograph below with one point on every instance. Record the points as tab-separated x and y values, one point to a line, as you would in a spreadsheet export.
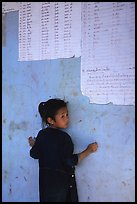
41	108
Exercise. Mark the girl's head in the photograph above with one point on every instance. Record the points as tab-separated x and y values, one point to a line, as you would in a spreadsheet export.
54	112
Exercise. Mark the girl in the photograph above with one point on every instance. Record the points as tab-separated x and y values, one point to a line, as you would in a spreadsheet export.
54	150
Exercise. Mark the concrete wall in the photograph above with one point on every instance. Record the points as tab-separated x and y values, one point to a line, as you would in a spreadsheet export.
105	176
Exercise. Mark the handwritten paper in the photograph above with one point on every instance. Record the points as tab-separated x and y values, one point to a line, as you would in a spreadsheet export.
108	52
49	30
10	6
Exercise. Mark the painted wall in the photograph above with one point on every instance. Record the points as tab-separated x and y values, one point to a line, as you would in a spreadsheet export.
105	176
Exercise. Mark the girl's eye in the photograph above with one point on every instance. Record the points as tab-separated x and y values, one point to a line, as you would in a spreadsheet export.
66	115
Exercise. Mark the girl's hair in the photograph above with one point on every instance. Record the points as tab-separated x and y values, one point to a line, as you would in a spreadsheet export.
50	108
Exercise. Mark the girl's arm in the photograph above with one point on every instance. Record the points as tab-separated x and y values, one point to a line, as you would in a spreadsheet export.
90	149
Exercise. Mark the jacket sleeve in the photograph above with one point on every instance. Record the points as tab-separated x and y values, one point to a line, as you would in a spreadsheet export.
73	160
70	159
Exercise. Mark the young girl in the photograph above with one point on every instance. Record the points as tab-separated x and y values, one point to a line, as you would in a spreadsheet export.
54	150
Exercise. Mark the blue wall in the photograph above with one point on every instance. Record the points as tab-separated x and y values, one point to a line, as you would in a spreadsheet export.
105	176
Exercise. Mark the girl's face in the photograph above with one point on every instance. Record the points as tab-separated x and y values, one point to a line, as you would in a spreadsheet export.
61	118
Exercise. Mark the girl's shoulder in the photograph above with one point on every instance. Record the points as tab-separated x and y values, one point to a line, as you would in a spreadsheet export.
66	135
53	131
41	132
57	131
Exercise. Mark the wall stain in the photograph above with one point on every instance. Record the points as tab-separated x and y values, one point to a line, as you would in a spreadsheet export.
25	178
3	30
108	146
126	120
14	126
10	137
74	93
36	115
10	189
5	175
4	120
124	183
94	130
104	113
35	79
21	167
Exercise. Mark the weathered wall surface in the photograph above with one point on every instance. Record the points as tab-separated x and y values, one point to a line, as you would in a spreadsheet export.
105	176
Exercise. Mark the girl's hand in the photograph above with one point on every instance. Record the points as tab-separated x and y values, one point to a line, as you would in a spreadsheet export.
92	147
31	141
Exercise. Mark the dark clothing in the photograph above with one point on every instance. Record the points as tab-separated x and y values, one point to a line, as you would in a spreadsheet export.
54	150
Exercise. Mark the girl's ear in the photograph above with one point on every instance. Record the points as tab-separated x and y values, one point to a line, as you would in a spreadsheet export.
50	120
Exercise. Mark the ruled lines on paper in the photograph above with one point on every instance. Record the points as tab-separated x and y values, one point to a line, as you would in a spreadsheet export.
10	6
49	30
108	52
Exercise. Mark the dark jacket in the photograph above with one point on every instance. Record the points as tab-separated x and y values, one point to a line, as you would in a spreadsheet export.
54	150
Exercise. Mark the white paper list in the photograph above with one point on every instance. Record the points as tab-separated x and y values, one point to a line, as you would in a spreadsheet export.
10	6
108	52
49	30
